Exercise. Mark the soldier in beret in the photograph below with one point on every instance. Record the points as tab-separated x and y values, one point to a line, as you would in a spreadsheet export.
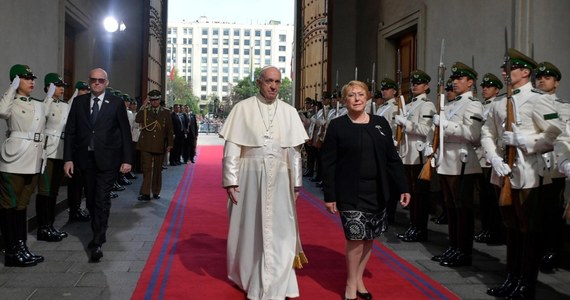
323	117
417	126
491	228
535	128
21	160
459	168
547	80
156	131
75	183
50	178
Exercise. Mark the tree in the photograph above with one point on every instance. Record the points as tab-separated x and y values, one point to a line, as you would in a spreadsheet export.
180	92
246	88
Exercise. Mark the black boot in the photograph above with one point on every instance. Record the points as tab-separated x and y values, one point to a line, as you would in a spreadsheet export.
408	231
76	213
445	255
51	217
506	288
44	232
22	235
522	291
15	233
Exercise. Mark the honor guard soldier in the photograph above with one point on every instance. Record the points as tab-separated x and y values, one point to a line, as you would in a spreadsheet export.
75	183
21	160
417	127
156	132
491	227
547	80
536	126
51	176
461	125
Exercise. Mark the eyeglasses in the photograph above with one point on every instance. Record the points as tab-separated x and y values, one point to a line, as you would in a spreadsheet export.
99	80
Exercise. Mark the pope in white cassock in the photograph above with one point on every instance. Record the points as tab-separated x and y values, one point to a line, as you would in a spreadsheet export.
262	174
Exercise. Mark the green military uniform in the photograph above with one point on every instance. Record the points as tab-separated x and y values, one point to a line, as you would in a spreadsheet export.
156	133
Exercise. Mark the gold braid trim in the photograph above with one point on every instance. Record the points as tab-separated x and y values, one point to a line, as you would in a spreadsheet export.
149	127
300	260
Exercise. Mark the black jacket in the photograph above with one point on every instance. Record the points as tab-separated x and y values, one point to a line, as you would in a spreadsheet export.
340	165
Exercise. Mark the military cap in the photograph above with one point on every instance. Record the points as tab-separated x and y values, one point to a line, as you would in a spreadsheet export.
23	71
117	93
546	68
377	94
154	94
109	90
388	83
81	85
449	85
126	97
419	76
55	79
460	69
491	80
520	60
337	94
327	95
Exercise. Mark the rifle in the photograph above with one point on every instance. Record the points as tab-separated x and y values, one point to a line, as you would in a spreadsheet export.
401	103
373	90
505	198
474	87
437	141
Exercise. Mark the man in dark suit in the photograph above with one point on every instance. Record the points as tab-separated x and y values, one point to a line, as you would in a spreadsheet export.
192	134
179	126
98	143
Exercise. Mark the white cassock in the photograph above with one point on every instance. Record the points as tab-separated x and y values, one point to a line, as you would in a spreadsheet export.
262	157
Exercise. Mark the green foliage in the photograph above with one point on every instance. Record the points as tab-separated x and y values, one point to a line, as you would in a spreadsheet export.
180	92
246	88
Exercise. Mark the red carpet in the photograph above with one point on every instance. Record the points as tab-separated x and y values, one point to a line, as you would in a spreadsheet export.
188	260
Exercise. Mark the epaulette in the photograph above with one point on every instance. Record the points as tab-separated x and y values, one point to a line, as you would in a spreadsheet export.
501	95
537	91
562	100
35	99
474	99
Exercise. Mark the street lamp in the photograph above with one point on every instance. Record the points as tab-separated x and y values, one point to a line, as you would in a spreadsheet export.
112	25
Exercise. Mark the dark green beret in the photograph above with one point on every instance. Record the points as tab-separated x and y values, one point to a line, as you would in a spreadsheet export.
491	80
81	85
126	97
520	60
117	93
377	94
327	95
23	71
55	79
449	85
419	76
460	69
546	68
154	94
109	90
388	83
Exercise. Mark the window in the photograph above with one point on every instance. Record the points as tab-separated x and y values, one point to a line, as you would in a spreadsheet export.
214	88
173	30
204	31
226	42
247	32
268	33
257	43
189	50
214	50
225	88
235	69
225	79
282	38
246	61
245	51
282	48
203	97
246	70
268	43
258	33
174	40
267	61
214	60
257	51
225	71
236	51
236	59
204	60
204	69
226	32
225	51
203	88
215	31
282	70
236	42
183	60
281	58
204	50
267	52
246	42
204	78
204	41
215	42
185	41
214	78
169	31
236	32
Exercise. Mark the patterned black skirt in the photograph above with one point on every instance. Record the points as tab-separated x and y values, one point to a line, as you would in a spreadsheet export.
360	225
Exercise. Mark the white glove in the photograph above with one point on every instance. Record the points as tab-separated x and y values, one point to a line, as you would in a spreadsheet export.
501	168
75	94
437	120
15	83
400	120
51	90
428	150
514	138
565	168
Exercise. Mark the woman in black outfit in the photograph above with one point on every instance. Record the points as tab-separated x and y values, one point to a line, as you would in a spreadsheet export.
358	158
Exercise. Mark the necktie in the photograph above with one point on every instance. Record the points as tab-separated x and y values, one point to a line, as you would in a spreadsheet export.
94	110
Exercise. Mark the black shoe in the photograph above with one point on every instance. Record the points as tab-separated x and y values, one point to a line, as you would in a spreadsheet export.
459	259
155	196
144	198
63	234
123	181
549	262
481	237
16	256
164	168
46	234
117	187
131	176
505	289
408	231
521	291
96	254
441	220
418	235
24	247
113	195
445	255
365	296
78	215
